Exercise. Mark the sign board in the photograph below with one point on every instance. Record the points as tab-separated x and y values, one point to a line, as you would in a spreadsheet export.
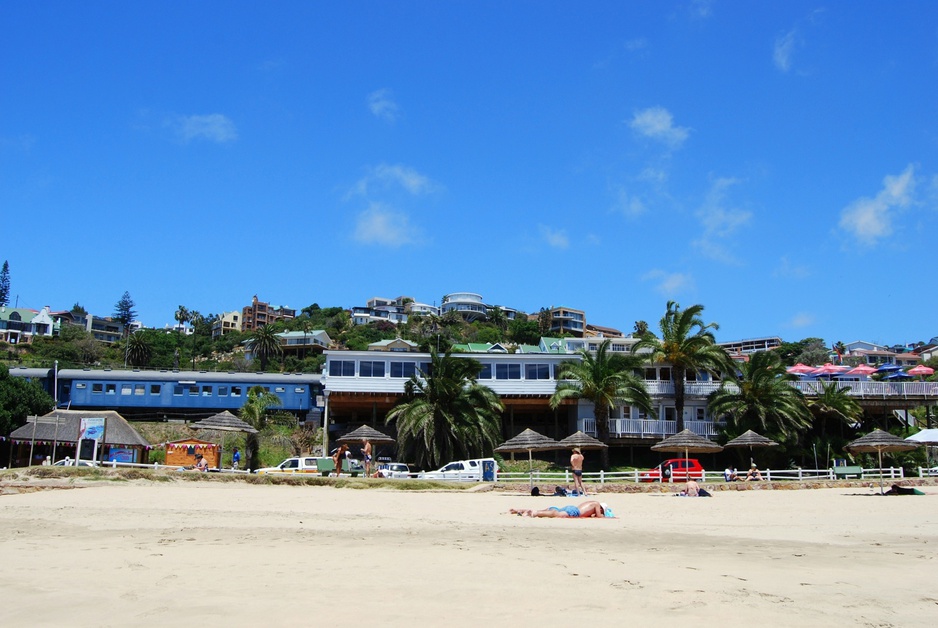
90	435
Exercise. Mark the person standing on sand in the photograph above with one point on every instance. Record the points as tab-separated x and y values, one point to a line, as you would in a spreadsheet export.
366	454
235	458
337	458
576	463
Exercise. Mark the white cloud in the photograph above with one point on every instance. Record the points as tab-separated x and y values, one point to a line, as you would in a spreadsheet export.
656	176
669	284
394	175
628	205
213	127
382	105
784	48
636	44
719	222
789	270
800	320
557	239
658	123
870	219
382	226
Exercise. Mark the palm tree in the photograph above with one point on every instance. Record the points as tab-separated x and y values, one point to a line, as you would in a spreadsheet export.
687	344
641	328
761	399
834	402
255	413
182	315
265	343
446	414
605	379
139	350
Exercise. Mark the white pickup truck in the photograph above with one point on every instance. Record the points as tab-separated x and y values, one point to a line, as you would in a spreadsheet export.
312	464
478	470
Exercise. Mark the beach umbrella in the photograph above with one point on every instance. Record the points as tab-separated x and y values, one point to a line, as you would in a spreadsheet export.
751	439
582	440
829	369
928	437
688	443
224	422
800	369
922	370
528	441
886	368
880	441
898	375
861	369
366	433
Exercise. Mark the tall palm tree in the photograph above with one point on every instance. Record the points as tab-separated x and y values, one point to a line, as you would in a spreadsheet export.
761	399
833	402
265	343
604	379
687	345
446	414
139	350
255	412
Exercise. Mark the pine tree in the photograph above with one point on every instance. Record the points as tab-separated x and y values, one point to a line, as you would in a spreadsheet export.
5	284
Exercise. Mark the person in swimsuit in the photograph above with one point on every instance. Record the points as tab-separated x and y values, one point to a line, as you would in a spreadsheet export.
201	464
583	511
366	454
576	463
337	458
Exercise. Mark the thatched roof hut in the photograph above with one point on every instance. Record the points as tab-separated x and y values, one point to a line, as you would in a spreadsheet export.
58	439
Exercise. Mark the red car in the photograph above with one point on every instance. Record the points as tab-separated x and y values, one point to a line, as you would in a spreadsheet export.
676	469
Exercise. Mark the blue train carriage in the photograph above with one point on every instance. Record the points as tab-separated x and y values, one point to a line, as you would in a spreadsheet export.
173	393
43	376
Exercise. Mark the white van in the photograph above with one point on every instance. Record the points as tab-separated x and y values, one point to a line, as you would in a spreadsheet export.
476	470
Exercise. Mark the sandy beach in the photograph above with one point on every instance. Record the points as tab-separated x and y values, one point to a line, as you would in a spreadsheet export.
208	553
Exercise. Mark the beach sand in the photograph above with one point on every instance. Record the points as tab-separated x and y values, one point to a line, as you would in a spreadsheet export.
233	554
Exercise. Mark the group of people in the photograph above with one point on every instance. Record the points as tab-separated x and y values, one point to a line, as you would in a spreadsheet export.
730	475
343	452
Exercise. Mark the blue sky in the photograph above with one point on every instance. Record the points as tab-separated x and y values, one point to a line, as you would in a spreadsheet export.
776	162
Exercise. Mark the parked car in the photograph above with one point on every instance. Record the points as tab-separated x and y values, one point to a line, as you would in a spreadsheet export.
393	470
480	469
674	469
68	462
312	464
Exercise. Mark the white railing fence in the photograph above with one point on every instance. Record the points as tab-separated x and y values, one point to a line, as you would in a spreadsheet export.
768	475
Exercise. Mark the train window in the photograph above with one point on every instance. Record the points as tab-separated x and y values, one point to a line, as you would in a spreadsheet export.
126	389
177	390
140	389
97	389
235	391
81	386
280	389
206	391
299	390
193	391
154	389
110	389
222	391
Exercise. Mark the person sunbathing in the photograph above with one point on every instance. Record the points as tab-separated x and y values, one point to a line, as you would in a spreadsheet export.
754	474
583	511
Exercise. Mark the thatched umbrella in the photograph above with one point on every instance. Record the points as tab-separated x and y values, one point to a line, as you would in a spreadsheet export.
880	441
687	442
582	440
224	422
751	439
528	441
366	433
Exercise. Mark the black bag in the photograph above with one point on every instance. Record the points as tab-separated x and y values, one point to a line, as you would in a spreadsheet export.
535	492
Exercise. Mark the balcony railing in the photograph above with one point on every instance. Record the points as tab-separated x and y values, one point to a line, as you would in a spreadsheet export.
648	428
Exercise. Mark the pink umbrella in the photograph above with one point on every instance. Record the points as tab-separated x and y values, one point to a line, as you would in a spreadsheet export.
861	369
829	369
800	369
921	369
